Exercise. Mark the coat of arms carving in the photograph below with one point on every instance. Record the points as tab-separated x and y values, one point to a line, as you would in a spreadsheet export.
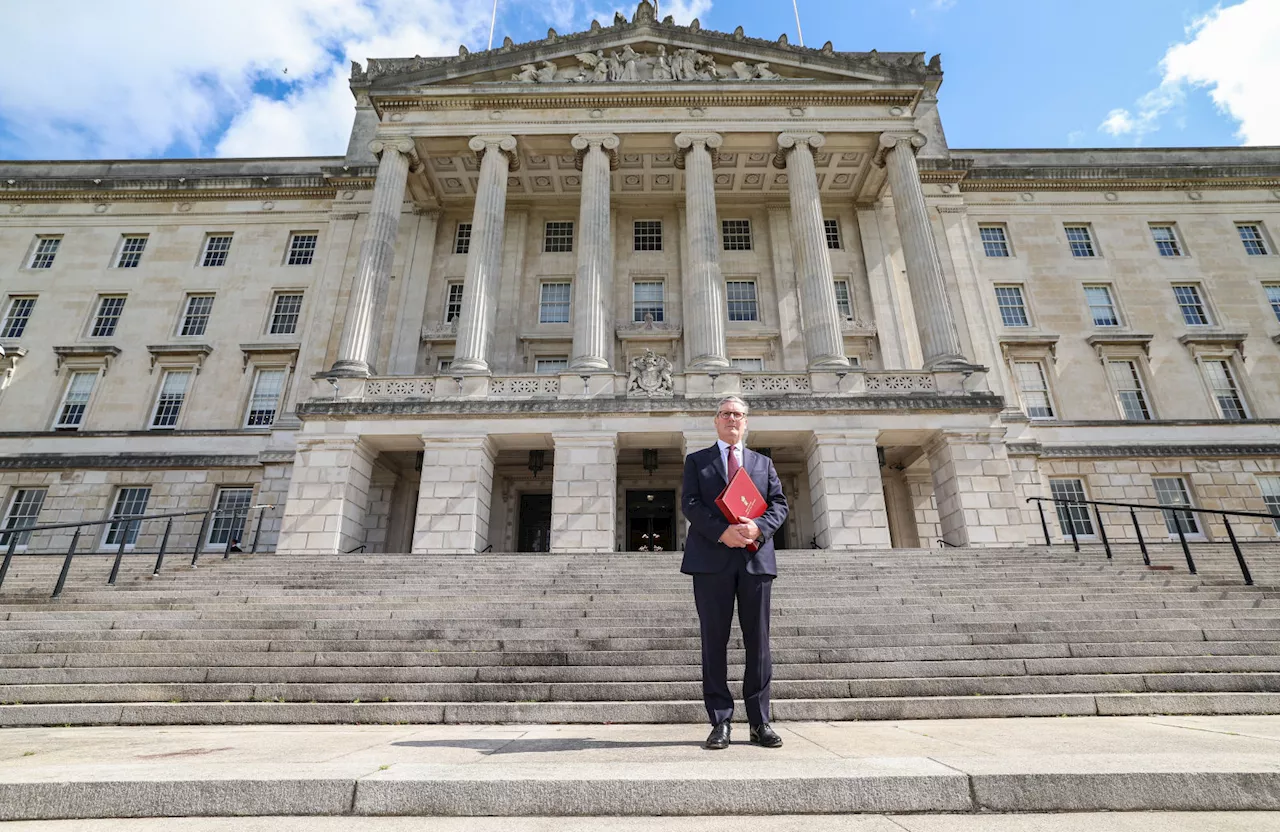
650	376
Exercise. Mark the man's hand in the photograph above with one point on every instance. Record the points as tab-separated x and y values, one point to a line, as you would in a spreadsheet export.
733	538
747	528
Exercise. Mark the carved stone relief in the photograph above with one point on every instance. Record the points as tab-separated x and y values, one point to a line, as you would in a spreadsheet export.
650	376
627	65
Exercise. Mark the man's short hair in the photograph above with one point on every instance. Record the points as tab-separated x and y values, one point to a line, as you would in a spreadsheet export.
745	410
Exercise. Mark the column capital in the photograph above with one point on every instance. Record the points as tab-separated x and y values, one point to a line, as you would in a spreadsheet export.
788	142
687	141
405	146
888	141
607	142
504	144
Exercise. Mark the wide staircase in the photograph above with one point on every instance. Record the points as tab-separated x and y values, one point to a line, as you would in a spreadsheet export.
613	638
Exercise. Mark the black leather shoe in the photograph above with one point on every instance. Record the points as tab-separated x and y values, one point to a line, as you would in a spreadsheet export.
719	738
764	735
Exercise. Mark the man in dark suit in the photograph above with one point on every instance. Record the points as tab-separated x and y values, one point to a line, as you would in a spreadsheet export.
724	569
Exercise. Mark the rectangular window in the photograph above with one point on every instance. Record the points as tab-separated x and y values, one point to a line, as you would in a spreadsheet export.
231	513
173	391
832	230
553	306
551	365
1033	389
131	248
742	300
1080	238
1129	391
648	235
648	301
129	502
195	316
265	400
1013	310
1102	307
216	249
1166	238
17	315
1194	312
1251	236
110	308
1172	491
24	510
46	249
747	365
1270	487
1071	515
75	400
736	234
443	365
557	236
302	248
1273	298
844	303
453	303
462	238
1226	392
995	243
285	311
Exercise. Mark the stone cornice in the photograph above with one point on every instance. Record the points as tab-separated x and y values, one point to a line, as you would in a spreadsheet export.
1021	171
98	461
1133	451
629	95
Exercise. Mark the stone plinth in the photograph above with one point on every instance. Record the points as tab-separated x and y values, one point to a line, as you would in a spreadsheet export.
974	488
455	495
584	492
846	491
328	496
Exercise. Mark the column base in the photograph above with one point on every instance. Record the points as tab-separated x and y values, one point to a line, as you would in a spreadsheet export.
830	362
952	363
469	367
709	362
347	368
589	363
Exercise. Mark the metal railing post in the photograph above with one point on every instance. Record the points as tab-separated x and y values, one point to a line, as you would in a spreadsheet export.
66	565
1071	522
257	532
226	550
8	556
1102	530
204	524
1044	524
1244	567
1141	543
164	544
1182	537
115	567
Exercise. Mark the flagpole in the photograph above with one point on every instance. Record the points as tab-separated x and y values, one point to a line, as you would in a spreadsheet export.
797	11
494	20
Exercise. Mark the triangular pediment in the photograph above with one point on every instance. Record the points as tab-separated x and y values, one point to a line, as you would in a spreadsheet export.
646	51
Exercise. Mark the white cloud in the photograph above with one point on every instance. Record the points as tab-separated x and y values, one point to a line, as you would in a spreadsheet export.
1233	53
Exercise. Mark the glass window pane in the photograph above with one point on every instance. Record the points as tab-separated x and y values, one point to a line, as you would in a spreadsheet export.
46	249
453	303
230	514
843	303
1270	487
129	502
558	237
1128	385
195	318
302	249
648	302
76	399
1192	307
1033	389
1101	306
742	300
747	365
554	308
284	315
1166	241
216	249
1172	491
550	365
648	235
24	510
1273	298
267	387
832	230
994	241
1081	241
462	238
173	390
17	316
736	235
1013	312
1071	515
131	249
1251	236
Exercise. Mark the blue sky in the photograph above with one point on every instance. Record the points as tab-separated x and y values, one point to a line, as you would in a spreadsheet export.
1019	73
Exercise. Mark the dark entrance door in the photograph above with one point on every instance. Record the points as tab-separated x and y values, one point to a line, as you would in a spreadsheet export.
651	521
535	523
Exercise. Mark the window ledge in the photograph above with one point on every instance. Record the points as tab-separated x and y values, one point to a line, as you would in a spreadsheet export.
1101	341
194	352
1029	343
1200	341
98	352
278	350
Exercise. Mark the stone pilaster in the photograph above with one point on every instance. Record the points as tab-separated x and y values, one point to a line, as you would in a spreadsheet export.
412	305
705	312
455	495
593	289
823	342
584	491
937	326
328	496
973	486
484	260
359	344
846	491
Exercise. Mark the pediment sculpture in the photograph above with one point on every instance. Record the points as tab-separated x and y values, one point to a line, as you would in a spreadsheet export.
628	65
650	376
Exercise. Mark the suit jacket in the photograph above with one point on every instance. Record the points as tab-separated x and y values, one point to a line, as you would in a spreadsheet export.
704	479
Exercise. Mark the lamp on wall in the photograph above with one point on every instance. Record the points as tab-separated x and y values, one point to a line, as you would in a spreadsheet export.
650	459
537	461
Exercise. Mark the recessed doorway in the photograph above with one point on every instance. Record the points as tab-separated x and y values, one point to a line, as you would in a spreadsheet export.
534	533
651	521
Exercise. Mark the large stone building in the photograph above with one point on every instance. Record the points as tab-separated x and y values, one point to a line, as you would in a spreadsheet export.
504	316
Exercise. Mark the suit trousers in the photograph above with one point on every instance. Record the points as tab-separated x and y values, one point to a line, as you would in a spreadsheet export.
714	595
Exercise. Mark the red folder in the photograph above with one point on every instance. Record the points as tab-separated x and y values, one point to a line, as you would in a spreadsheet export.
741	498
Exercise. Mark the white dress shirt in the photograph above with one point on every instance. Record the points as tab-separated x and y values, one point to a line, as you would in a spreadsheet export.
724	455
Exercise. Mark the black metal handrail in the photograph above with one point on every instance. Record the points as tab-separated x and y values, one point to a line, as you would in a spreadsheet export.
125	522
1133	516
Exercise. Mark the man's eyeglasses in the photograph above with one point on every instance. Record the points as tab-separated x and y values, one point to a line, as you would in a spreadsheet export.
731	415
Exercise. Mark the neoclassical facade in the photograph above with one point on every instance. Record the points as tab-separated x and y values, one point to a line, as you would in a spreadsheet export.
504	316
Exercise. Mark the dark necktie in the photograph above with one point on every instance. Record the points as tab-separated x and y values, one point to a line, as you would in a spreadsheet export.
732	464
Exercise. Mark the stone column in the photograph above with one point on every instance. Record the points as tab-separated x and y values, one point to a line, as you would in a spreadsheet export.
455	495
484	260
820	316
705	312
846	491
937	326
412	302
584	492
328	495
359	345
593	289
973	486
